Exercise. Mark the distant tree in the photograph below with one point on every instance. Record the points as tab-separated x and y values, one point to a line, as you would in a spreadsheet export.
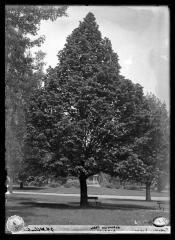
38	65
147	158
81	117
161	123
20	23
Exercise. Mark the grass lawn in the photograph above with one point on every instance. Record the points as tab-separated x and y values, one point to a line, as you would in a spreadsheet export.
59	210
92	190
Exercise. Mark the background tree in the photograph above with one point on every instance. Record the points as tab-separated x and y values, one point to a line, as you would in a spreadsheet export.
39	68
20	23
83	115
147	158
160	135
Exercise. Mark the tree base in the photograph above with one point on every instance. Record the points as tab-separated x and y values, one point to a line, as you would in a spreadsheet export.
148	192
21	185
84	205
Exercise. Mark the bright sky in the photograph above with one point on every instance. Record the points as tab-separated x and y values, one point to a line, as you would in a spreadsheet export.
139	35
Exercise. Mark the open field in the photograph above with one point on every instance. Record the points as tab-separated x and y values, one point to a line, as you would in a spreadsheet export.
65	210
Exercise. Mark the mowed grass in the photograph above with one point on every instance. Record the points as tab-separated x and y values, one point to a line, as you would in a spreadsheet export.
59	210
92	190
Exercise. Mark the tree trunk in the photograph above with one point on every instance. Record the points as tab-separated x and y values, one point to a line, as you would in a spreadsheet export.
10	180
83	192
124	183
21	185
148	191
10	188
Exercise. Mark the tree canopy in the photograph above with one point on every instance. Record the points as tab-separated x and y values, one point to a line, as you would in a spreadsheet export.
88	116
21	22
149	153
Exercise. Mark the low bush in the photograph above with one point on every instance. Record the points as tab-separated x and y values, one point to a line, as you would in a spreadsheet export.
109	185
116	185
72	183
54	184
67	185
61	180
36	181
132	187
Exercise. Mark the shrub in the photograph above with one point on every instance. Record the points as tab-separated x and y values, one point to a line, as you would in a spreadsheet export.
67	185
132	187
72	183
31	183
54	184
76	184
36	181
61	180
115	184
109	185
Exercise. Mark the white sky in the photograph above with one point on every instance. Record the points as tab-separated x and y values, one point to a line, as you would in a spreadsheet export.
139	35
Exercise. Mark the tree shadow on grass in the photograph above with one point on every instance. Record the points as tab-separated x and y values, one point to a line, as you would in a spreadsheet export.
75	205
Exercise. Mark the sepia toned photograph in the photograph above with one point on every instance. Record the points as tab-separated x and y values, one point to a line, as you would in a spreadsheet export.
87	119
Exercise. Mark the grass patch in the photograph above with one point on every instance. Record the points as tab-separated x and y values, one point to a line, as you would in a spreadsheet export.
92	190
66	210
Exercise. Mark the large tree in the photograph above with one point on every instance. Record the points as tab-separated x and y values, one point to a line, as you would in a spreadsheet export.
20	23
78	121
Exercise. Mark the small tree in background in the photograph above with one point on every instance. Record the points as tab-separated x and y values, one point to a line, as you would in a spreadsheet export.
146	160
